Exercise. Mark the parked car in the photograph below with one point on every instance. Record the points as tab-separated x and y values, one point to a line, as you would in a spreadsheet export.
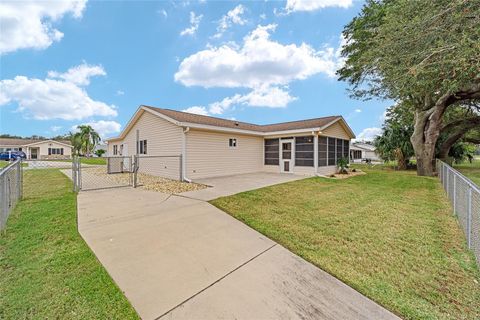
12	155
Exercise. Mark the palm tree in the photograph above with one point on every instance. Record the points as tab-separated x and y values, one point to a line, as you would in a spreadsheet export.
76	141
89	138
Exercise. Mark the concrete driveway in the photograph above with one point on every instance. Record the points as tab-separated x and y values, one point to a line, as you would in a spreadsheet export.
181	258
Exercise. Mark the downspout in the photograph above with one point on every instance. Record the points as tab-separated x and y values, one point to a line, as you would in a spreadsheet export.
184	154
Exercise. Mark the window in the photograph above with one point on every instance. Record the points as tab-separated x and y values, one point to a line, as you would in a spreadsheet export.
232	142
322	151
121	149
272	152
331	151
115	150
142	147
356	154
55	151
304	151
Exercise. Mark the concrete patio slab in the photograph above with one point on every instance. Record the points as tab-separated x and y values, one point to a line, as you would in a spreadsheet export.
279	285
176	257
228	185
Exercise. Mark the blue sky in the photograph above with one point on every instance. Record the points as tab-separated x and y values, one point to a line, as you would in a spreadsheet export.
75	62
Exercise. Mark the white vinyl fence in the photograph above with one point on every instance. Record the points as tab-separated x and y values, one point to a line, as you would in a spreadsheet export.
465	198
10	190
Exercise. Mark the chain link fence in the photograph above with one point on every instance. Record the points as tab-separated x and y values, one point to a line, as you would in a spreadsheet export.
465	198
10	189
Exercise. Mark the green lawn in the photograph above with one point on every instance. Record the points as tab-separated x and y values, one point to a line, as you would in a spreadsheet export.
389	234
470	170
47	271
92	160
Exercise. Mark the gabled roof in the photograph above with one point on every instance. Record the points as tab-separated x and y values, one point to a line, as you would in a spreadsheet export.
364	146
186	119
24	142
218	122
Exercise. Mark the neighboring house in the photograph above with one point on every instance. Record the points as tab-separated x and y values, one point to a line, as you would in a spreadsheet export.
38	149
217	147
360	151
100	146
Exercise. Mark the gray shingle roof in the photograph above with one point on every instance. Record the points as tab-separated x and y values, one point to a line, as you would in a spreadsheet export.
218	122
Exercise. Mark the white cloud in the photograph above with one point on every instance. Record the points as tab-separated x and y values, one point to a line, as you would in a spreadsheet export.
263	16
313	5
368	134
28	24
120	93
232	17
259	62
271	97
102	127
358	110
194	23
79	75
163	12
55	128
197	110
61	98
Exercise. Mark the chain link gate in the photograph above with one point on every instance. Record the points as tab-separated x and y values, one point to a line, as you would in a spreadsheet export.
102	173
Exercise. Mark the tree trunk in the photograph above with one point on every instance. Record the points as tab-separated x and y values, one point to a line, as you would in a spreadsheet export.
424	138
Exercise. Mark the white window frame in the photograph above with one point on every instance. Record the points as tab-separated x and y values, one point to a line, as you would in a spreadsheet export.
232	142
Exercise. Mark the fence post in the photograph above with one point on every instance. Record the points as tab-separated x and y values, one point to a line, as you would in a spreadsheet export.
469	218
135	170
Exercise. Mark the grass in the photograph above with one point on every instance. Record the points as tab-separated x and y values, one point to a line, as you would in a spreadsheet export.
47	270
470	170
92	160
388	234
3	164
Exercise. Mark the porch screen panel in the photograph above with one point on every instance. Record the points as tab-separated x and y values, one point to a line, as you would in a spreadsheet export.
339	150
322	151
331	151
346	148
271	152
304	151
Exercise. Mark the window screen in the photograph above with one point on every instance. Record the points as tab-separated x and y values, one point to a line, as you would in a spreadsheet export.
271	152
304	151
322	151
331	151
346	148
339	150
232	142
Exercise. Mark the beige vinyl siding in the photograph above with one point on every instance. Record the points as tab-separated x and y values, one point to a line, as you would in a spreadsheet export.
209	154
336	130
327	170
163	139
304	170
43	150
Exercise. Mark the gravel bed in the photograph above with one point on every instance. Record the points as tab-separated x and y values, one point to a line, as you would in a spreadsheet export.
145	181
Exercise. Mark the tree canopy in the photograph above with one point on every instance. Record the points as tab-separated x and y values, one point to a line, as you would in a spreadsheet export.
424	54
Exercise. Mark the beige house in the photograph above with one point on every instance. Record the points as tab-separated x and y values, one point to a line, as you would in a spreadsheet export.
360	151
38	149
217	147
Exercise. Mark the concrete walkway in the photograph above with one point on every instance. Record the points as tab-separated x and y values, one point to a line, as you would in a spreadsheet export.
181	258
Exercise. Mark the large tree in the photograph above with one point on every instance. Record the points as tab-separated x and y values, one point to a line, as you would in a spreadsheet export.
423	53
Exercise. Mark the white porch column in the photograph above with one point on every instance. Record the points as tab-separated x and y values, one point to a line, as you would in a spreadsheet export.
315	152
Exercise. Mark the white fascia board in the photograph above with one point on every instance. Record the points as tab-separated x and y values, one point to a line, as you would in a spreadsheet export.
46	141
